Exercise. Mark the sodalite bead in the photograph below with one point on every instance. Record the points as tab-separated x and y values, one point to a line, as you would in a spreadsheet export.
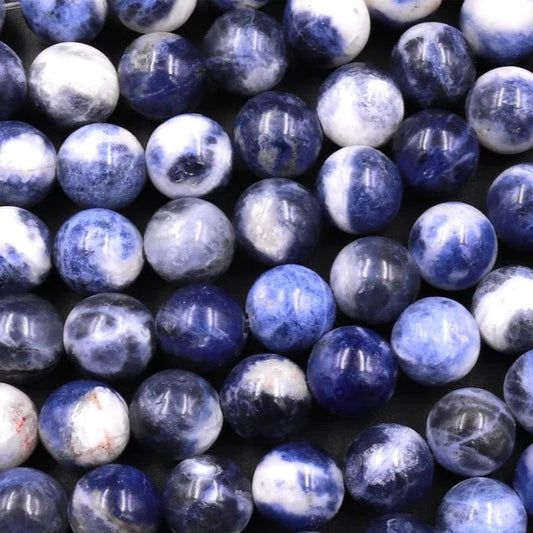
113	499
352	371
523	479
25	246
189	240
277	135
481	505
500	109
101	165
401	12
13	81
360	105
176	414
207	494
98	250
436	152
161	75
2	15
471	432
277	221
32	502
298	486
266	396
201	327
436	341
189	155
518	390
110	336
227	5
245	52
289	308
454	245
360	189
398	523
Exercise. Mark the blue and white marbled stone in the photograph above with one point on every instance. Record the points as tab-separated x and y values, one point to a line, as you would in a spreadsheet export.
436	341
101	165
360	189
471	432
2	15
27	164
32	502
388	467
266	397
398	13
189	155
454	245
518	390
289	308
374	279
161	75
352	371
115	498
13	81
207	494
228	5
500	109
481	505
503	308
84	424
110	336
277	221
202	328
436	152
73	84
25	247
398	523
360	105
523	479
245	52
298	486
98	250
500	32
277	135
176	414
189	240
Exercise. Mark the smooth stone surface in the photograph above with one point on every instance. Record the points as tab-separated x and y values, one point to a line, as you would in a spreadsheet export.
98	250
2	15
471	432
101	165
207	494
374	279
84	424
245	52
518	390
176	414
523	479
161	75
398	523
401	12
189	240
289	308
73	84
227	5
277	221
454	245
360	105
266	397
13	81
298	486
277	135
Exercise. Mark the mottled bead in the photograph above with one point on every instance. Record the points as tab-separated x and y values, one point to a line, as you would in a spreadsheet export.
518	390
228	5
2	15
13	81
523	479
399	13
398	523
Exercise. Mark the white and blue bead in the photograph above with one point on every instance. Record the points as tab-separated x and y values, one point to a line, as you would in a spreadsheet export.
13	80
398	13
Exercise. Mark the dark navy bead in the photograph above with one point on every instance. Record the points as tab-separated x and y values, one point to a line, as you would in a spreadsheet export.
518	390
398	13
398	523
523	479
12	81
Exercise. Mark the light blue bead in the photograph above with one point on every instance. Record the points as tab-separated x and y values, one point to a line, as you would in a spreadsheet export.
399	13
518	390
523	479
228	5
13	81
398	523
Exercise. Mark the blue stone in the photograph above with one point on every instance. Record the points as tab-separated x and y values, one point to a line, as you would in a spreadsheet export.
207	494
352	371
266	397
101	165
454	245
202	328
2	15
360	189
110	336
245	52
398	523
523	479
388	467
436	152
115	498
31	502
277	135
227	5
13	82
471	432
277	221
289	308
176	414
161	75
398	13
518	390
374	279
98	250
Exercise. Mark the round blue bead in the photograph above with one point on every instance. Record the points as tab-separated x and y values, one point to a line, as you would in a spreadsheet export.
518	390
2	15
398	523
13	82
228	5
523	479
399	13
